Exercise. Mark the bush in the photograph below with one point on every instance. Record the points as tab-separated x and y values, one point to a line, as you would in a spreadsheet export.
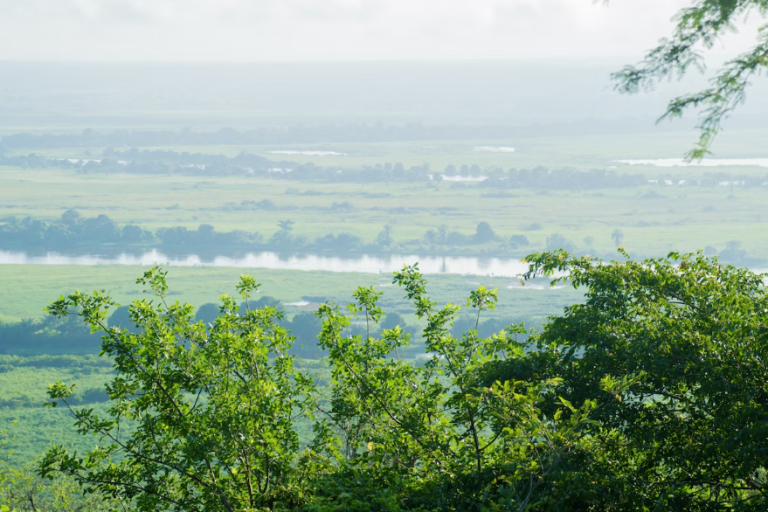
656	377
305	327
23	490
557	241
379	406
207	313
520	240
121	317
484	233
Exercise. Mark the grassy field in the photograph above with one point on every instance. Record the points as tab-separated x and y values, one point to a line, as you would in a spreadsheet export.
578	152
654	219
24	382
32	287
33	427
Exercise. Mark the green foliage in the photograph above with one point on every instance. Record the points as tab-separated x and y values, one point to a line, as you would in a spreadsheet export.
22	490
674	351
432	437
206	418
210	411
702	25
650	395
70	230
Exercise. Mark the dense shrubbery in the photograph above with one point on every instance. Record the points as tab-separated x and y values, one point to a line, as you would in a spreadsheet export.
23	490
648	396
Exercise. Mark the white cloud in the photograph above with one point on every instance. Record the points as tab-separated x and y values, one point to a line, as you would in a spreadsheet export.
329	29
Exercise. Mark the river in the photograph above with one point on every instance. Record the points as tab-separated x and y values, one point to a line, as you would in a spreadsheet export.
503	267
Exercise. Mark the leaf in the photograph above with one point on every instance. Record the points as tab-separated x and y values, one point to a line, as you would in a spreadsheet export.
567	404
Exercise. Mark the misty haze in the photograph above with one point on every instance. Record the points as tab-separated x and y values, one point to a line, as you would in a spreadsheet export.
383	256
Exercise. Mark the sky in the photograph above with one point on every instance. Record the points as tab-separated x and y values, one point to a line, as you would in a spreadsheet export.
322	30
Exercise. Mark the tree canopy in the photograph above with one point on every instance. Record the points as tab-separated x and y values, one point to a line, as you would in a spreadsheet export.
698	28
649	395
685	340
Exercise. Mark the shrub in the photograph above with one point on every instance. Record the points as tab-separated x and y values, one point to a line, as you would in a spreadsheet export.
520	240
484	233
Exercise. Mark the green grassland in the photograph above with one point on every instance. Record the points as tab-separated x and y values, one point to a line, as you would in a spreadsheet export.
583	152
32	427
22	413
655	219
34	286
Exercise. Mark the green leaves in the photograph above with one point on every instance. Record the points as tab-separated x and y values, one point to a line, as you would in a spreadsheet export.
59	391
651	394
701	26
247	286
415	286
155	279
482	299
200	418
674	350
437	435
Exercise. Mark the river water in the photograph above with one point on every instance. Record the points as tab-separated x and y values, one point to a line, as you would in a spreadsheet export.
706	162
503	267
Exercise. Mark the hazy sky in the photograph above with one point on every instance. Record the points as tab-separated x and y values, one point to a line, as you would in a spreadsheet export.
259	30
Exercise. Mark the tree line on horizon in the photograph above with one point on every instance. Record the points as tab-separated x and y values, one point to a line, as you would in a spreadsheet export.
74	230
164	162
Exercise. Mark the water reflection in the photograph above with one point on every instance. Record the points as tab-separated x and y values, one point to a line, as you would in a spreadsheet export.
503	267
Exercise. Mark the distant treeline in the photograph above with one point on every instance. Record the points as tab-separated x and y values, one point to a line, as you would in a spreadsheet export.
136	161
73	230
51	335
70	336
